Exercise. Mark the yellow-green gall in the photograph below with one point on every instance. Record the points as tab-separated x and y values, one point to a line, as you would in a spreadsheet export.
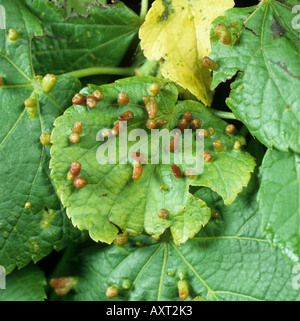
218	145
30	103
223	33
237	145
121	239
230	129
78	127
13	34
48	82
183	290
210	64
154	89
31	112
163	214
98	94
45	138
28	205
111	292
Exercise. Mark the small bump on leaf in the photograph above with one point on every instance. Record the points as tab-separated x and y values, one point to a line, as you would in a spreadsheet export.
123	98
45	138
27	205
13	34
126	116
230	129
223	33
78	127
154	89
137	171
163	214
210	64
63	285
98	94
30	103
48	82
74	138
183	124
196	123
111	292
75	168
183	290
218	145
176	170
79	182
121	239
207	157
161	122
188	116
91	101
152	109
237	145
78	99
151	124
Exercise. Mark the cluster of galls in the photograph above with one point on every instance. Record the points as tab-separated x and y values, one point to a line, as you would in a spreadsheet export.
152	107
187	120
47	83
73	175
225	37
89	101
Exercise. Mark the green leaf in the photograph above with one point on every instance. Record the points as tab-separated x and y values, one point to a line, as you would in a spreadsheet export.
229	260
111	199
264	55
101	39
32	233
279	201
27	284
79	6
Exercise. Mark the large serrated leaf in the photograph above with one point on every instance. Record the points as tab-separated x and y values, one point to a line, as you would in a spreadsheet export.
229	260
101	39
264	54
28	233
279	197
111	198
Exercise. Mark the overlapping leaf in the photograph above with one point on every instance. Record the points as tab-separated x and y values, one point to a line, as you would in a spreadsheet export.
279	201
264	54
111	199
229	260
178	32
27	284
32	233
101	39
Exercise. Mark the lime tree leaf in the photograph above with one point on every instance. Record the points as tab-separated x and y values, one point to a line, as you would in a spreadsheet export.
229	260
27	284
101	39
111	198
28	233
264	55
187	23
279	201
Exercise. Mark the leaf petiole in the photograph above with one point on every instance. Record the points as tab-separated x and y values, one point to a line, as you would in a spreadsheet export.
102	71
144	9
223	114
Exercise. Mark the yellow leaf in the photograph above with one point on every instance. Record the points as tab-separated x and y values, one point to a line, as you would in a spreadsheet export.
178	31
